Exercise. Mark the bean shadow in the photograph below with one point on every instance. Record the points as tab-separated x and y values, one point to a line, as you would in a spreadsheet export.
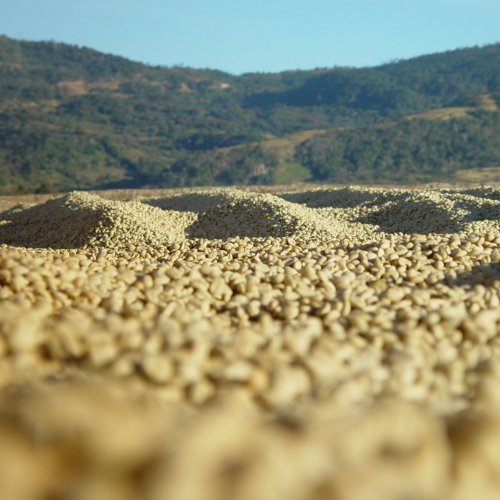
190	202
490	193
47	225
481	274
426	216
340	198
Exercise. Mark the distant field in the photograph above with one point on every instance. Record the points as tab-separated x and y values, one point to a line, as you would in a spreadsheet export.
479	175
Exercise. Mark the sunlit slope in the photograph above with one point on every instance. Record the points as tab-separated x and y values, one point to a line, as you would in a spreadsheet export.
484	102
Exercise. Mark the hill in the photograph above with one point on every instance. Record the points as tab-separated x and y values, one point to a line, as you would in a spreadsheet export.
73	117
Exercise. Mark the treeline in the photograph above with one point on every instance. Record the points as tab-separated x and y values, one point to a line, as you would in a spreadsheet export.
406	151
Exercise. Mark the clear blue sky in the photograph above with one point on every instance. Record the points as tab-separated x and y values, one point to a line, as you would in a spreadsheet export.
241	36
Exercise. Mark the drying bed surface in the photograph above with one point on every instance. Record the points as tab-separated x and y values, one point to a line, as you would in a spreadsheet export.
227	344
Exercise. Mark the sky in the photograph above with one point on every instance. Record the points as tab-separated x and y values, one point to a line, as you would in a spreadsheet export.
243	36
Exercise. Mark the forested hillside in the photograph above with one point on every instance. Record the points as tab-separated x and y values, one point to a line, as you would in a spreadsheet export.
73	117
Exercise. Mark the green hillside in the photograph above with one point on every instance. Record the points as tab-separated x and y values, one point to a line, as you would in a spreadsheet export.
73	117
